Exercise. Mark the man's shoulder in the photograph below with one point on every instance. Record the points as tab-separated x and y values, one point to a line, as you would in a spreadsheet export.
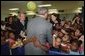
40	21
50	25
32	19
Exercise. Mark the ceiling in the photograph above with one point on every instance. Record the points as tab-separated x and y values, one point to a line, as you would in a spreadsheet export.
67	6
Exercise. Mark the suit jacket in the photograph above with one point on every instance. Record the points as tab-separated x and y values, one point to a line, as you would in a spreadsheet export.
40	28
17	27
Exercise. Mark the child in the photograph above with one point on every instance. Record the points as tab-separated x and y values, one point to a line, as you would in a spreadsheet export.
18	48
74	48
66	38
65	46
15	44
56	48
54	36
4	45
11	39
81	48
77	34
60	34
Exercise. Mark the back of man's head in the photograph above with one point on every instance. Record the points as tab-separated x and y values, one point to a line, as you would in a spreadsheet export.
42	10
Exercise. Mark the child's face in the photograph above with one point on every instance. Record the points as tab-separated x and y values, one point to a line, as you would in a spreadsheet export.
69	23
11	35
62	23
72	33
77	32
60	34
74	46
58	26
57	42
65	38
66	26
53	17
6	34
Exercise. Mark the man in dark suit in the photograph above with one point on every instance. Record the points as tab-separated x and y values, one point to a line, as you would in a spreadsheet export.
20	24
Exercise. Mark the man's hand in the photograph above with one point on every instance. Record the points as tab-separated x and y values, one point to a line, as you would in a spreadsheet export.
37	43
33	38
28	40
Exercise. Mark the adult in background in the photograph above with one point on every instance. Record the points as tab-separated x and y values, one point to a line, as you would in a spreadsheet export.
9	23
7	18
54	19
18	27
20	24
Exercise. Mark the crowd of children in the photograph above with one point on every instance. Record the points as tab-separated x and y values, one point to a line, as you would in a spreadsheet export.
9	44
68	38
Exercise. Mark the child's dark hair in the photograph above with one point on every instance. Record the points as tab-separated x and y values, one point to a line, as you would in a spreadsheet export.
79	43
2	23
57	38
3	32
10	32
57	15
74	41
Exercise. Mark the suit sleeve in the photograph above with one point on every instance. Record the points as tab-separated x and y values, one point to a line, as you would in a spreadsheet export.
49	35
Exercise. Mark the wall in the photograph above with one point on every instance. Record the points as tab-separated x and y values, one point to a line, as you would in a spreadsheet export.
67	16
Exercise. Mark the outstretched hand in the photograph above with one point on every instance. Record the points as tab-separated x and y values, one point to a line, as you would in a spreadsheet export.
37	43
34	40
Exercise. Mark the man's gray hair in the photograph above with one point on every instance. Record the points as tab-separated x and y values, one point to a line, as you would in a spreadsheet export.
42	10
